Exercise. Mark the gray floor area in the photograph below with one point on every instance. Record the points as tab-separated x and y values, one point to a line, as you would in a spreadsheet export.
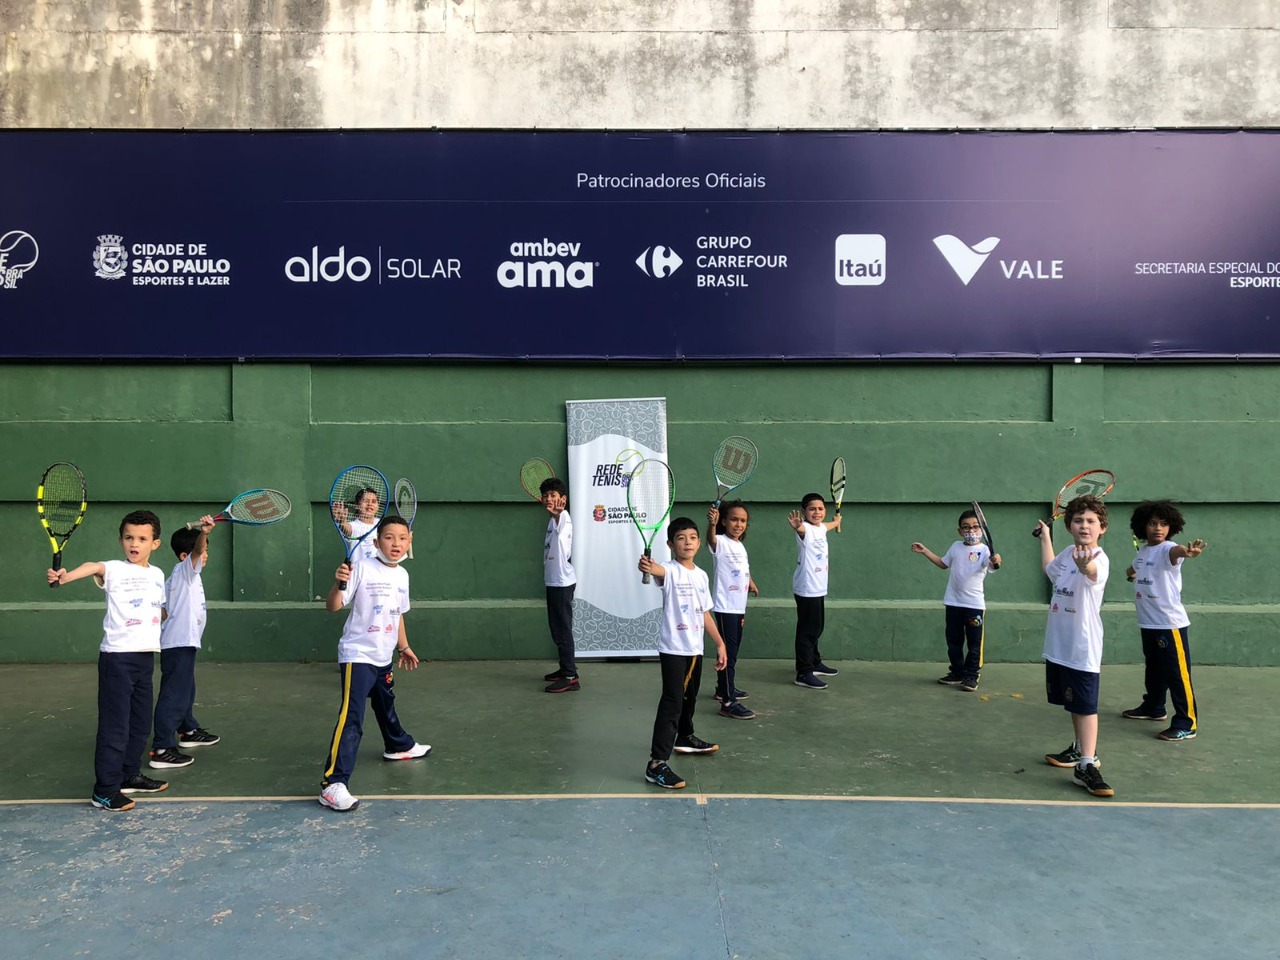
670	876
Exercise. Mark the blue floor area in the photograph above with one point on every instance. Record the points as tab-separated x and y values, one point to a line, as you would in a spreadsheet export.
639	878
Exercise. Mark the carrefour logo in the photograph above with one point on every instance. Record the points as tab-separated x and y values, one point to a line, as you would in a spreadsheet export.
546	264
658	262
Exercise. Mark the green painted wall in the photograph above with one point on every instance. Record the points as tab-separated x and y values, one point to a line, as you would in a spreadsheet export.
920	440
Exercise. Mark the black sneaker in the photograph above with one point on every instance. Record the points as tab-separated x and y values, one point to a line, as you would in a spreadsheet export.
822	670
969	686
951	680
166	759
1090	778
564	685
692	744
117	801
141	783
663	776
553	675
1175	734
810	682
736	711
1067	758
199	737
737	695
1142	713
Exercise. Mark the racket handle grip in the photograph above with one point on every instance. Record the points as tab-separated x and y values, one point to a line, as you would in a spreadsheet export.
57	565
346	563
644	577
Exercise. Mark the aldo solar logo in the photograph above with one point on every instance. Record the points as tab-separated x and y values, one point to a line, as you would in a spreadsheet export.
860	259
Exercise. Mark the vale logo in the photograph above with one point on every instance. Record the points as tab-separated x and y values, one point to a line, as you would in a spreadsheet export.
965	260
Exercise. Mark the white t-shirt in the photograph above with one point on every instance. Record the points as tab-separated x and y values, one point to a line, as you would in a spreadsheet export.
733	575
378	596
966	570
369	545
1157	589
184	599
686	597
557	553
810	577
1073	633
135	597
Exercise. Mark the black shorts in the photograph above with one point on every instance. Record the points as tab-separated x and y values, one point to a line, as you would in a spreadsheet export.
1076	691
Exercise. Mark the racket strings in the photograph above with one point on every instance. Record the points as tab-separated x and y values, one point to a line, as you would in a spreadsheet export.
259	506
533	473
348	487
650	493
735	461
406	499
62	496
1096	484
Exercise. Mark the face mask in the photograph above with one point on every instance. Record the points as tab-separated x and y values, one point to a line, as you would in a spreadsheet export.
384	558
972	539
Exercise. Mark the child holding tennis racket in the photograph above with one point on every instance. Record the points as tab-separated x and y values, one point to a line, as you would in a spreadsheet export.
726	531
1073	634
686	617
175	723
1156	575
967	562
809	584
560	581
367	505
134	590
377	591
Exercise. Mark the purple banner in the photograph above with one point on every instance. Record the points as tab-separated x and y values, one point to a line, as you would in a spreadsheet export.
639	246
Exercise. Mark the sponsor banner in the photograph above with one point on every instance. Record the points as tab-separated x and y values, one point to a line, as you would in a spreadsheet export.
614	614
654	246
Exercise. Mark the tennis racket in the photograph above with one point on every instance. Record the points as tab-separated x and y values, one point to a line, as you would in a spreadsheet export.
734	462
61	502
986	531
406	495
533	473
1097	483
345	504
837	484
257	508
651	493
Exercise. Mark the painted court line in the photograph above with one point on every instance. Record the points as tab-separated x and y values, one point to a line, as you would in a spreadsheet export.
700	799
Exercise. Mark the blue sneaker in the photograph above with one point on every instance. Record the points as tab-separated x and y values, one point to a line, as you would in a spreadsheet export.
809	682
736	711
822	670
663	776
1174	733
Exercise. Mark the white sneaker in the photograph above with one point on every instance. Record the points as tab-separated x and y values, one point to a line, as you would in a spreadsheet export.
416	752
336	796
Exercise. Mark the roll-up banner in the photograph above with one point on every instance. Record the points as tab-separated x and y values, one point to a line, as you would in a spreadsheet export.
614	614
657	246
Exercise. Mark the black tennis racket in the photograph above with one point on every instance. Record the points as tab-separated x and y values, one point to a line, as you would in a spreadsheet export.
651	492
359	495
1097	483
533	474
986	532
734	462
255	508
61	501
837	484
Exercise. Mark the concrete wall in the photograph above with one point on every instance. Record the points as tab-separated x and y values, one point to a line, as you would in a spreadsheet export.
758	64
920	440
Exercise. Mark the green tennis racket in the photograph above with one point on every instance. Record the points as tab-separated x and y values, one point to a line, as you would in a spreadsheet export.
651	492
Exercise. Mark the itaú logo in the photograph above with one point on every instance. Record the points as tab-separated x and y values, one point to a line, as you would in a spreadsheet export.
531	265
329	269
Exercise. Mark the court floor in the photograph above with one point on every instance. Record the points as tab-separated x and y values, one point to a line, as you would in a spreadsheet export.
885	817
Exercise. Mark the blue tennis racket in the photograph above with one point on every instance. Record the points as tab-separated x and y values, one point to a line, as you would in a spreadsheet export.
357	501
256	508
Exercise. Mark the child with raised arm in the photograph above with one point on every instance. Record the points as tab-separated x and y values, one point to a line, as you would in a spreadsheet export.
134	590
726	531
1156	575
560	580
1073	635
377	590
686	617
366	519
967	562
809	584
175	722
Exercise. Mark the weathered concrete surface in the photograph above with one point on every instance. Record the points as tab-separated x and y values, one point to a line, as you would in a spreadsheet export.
753	64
